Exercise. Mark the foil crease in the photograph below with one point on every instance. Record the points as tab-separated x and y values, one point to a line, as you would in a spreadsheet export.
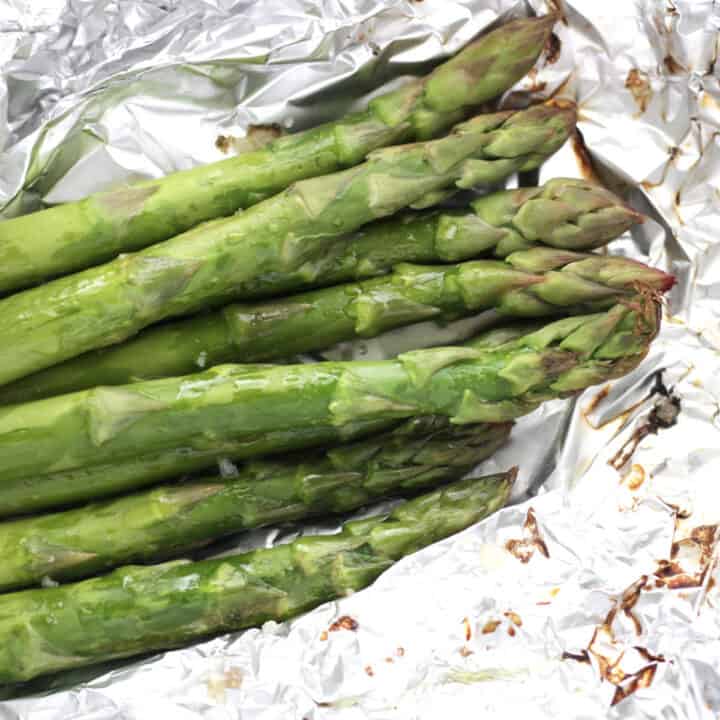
595	593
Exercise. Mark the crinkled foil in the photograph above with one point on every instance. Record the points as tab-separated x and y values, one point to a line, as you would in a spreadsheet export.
595	594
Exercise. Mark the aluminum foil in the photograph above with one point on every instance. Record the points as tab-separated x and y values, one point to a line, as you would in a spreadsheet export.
595	594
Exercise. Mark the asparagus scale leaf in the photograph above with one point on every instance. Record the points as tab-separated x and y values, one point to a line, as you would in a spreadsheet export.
230	258
531	283
138	609
108	425
159	523
71	237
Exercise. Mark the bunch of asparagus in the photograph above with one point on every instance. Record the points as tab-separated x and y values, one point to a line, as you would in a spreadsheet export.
146	369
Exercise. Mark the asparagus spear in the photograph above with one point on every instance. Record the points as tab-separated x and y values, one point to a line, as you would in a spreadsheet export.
531	283
78	235
234	402
231	258
137	609
61	489
159	523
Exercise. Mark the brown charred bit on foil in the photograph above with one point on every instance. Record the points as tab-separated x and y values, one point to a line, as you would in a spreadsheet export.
673	154
673	66
582	157
594	402
369	671
468	629
638	83
700	543
513	617
609	653
663	415
344	622
635	478
511	631
389	660
582	657
400	651
641	679
524	548
323	635
490	627
553	48
626	603
536	86
465	651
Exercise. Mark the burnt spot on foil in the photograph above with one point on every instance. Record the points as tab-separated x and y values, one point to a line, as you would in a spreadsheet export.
691	558
344	623
673	66
582	156
638	83
613	657
553	48
663	415
524	548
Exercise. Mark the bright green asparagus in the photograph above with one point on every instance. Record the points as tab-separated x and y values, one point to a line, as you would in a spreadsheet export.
78	235
160	523
136	609
71	487
233	258
108	425
531	283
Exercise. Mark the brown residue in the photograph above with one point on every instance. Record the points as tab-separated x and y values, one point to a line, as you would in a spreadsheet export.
609	652
465	651
524	548
536	86
673	66
627	602
635	478
389	660
699	547
256	137
638	83
594	402
553	48
582	157
672	156
663	415
581	657
513	617
490	627
344	623
641	679
511	631
400	651
324	635
468	629
233	677
369	670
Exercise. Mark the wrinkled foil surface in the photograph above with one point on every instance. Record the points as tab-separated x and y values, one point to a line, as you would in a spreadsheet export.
595	593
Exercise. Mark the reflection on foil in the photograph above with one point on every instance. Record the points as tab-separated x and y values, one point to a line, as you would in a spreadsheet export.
614	612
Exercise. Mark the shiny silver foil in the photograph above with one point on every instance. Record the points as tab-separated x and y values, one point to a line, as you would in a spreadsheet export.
595	595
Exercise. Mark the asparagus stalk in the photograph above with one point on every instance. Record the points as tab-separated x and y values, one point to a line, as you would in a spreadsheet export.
231	258
75	236
162	522
531	283
108	425
137	609
71	487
